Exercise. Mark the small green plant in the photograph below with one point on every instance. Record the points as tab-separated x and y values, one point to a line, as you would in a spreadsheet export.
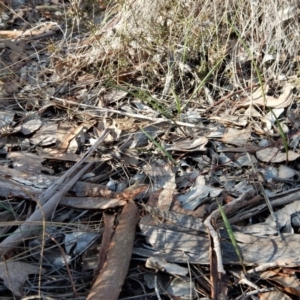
231	236
164	151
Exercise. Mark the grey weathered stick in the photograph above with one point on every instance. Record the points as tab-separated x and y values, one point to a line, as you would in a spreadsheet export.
48	201
27	229
217	246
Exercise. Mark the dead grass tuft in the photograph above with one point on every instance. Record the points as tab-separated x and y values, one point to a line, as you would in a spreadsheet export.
169	46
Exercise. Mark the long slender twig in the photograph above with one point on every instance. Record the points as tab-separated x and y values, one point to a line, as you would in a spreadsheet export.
60	101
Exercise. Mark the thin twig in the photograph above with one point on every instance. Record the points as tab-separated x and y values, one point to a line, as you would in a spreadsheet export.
217	246
63	102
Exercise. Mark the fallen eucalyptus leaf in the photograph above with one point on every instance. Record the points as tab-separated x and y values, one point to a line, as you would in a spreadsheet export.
274	155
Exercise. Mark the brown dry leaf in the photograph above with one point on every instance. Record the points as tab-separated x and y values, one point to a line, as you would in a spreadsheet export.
31	126
131	192
236	137
286	172
165	198
162	265
231	120
14	274
17	50
46	135
274	155
60	68
66	133
257	94
288	282
11	86
28	162
86	79
199	212
62	142
252	112
274	295
284	100
189	145
114	96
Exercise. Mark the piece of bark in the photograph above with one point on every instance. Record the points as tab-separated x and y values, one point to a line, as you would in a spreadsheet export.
108	233
109	283
170	244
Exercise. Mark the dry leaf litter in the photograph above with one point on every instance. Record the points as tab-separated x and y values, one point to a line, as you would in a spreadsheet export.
121	130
